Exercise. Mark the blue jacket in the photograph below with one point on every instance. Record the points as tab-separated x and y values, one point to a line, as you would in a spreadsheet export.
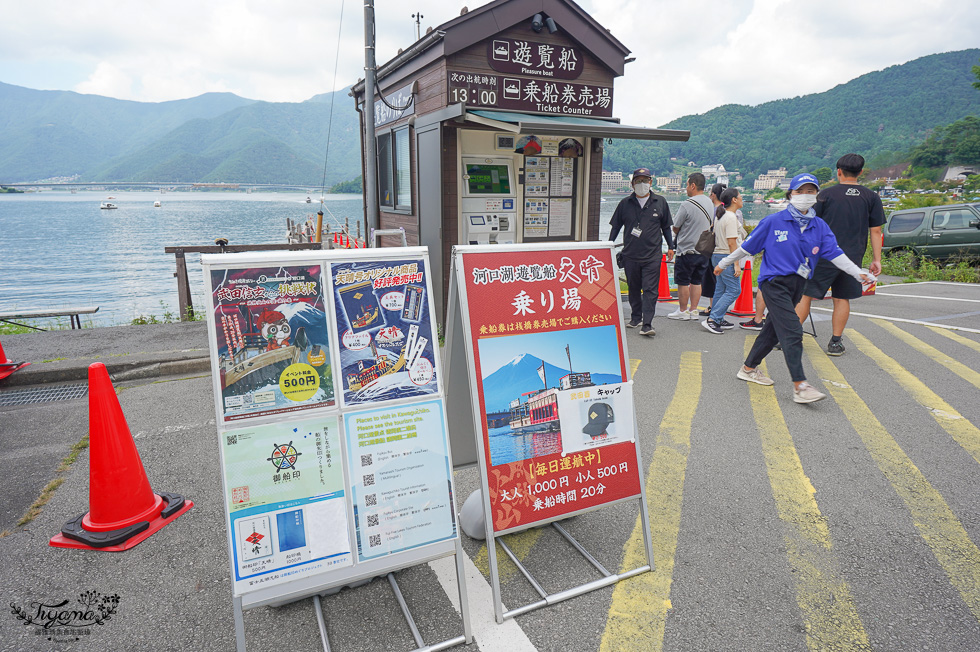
785	247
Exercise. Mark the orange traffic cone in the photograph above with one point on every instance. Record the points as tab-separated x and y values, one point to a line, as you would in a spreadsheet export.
123	509
8	367
745	303
664	289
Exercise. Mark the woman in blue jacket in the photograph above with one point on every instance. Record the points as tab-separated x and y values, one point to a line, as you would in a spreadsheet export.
791	241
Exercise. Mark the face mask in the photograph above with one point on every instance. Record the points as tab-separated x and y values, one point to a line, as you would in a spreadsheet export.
803	203
641	189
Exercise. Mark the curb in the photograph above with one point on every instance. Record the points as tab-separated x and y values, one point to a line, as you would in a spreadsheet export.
118	371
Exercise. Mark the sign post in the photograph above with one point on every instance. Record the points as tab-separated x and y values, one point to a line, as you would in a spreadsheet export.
330	409
551	397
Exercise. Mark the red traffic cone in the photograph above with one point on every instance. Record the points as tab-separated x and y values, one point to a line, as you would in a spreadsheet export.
8	367
664	289
123	509
745	303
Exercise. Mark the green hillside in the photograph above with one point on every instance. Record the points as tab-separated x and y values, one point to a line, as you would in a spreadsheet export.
62	133
880	115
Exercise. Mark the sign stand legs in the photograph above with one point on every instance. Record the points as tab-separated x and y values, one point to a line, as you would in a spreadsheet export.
236	607
548	599
321	623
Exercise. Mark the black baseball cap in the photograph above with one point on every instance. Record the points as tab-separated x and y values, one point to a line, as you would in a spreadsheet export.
642	172
600	416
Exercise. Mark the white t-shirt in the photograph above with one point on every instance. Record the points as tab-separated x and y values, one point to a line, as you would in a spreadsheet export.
643	200
726	227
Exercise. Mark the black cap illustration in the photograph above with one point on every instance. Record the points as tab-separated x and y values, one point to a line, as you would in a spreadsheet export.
600	416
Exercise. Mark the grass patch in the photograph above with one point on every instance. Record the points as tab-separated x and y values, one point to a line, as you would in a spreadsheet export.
48	492
912	269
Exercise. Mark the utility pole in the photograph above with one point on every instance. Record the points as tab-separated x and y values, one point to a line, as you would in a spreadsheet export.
370	142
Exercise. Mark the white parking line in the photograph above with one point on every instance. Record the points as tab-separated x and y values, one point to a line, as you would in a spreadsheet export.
922	296
906	321
489	636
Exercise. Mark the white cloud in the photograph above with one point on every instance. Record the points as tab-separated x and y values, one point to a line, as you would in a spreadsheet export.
690	58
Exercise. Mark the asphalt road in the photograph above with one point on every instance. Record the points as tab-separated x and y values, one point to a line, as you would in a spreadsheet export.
851	523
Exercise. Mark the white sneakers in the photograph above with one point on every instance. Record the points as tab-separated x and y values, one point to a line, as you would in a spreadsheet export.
683	315
807	393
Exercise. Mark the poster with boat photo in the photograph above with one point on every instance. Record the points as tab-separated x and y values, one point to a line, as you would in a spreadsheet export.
548	354
385	337
270	329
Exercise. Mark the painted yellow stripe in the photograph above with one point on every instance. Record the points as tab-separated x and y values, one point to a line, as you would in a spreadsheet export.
638	614
960	429
634	365
958	368
519	543
956	337
831	619
958	556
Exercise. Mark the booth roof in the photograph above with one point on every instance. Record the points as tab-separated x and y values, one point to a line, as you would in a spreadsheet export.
525	123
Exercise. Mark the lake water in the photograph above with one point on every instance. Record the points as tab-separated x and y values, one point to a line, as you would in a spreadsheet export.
58	249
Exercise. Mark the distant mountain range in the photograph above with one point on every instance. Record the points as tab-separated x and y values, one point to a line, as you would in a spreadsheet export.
880	115
520	375
220	137
215	137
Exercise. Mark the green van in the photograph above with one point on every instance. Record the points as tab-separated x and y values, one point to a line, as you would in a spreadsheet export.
937	232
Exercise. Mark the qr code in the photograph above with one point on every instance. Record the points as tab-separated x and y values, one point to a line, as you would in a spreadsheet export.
232	439
374	540
368	480
371	500
372	520
366	460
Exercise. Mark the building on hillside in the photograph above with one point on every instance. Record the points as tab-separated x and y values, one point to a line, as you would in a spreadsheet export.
715	170
723	178
770	179
614	182
784	183
670	183
961	172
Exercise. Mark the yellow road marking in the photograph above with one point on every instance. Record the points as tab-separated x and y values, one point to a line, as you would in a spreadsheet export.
634	365
956	337
831	619
965	433
958	556
958	368
520	544
638	613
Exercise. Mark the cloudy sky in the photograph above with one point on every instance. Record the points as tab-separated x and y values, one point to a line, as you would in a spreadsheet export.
690	57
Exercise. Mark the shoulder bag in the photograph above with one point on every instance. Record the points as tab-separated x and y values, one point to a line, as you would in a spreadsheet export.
706	241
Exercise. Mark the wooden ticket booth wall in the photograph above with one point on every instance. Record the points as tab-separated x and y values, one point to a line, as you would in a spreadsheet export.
490	129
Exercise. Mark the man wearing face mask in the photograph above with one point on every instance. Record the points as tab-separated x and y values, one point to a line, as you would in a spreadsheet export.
852	212
646	223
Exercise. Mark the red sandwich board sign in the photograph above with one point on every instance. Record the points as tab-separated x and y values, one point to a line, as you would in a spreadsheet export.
550	389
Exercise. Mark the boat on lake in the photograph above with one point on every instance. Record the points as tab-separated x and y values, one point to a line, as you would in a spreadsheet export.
157	204
539	411
108	205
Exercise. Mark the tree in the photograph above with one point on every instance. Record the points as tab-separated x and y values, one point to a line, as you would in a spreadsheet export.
976	73
823	174
904	185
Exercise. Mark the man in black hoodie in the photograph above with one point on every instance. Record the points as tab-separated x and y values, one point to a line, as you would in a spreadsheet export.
645	221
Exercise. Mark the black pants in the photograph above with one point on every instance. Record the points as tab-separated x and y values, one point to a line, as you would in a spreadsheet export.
781	293
643	281
708	282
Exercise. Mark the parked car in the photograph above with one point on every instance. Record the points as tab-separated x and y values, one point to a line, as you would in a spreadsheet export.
937	232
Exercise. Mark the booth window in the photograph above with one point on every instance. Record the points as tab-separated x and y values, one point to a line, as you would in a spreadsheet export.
394	170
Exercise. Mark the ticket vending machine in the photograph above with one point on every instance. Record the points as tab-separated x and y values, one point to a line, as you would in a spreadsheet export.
489	201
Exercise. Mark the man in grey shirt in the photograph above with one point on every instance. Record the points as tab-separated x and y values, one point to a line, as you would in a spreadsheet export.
692	218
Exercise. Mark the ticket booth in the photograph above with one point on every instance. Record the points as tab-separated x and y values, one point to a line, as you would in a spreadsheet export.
490	128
